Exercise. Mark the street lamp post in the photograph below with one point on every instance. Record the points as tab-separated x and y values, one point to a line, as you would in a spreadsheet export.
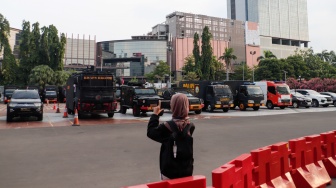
285	75
170	49
252	53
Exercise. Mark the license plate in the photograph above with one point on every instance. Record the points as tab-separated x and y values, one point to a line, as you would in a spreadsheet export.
225	105
257	104
25	109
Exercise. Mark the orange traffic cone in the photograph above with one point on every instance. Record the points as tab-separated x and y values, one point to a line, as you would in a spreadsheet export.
76	122
58	110
65	114
54	108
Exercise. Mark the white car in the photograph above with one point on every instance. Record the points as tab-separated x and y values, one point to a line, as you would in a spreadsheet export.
318	99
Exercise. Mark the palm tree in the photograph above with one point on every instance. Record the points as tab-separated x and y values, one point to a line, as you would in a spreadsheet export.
227	56
267	55
324	55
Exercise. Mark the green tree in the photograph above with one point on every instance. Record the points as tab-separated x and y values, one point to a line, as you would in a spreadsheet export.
206	56
42	75
61	77
44	47
160	71
269	69
191	76
4	31
189	64
227	57
34	45
8	72
267	55
196	55
25	60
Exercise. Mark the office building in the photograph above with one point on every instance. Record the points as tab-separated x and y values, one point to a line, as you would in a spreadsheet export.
283	24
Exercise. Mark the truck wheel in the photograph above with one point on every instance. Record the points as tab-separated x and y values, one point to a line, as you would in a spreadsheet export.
282	107
256	108
123	110
225	109
136	111
295	105
110	114
269	105
40	117
210	108
242	107
315	103
198	111
9	118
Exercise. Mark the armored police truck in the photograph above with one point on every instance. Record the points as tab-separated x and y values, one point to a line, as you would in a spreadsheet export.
91	92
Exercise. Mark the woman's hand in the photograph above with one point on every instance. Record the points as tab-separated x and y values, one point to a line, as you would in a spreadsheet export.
157	110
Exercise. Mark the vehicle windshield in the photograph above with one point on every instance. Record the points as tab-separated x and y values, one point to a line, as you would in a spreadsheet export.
312	92
283	90
297	94
186	93
28	94
254	90
145	91
50	92
221	90
9	91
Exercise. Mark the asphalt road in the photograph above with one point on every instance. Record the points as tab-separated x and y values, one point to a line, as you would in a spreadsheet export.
119	154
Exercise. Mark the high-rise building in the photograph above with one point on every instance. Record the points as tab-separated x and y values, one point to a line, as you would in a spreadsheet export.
283	24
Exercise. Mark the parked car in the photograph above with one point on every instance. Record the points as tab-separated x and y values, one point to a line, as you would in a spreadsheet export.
25	103
317	98
332	95
299	100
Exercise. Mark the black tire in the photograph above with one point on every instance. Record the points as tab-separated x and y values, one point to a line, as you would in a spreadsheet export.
282	107
334	103
123	110
198	111
9	118
210	108
136	111
225	109
295	104
326	105
242	107
269	105
70	111
307	106
256	108
110	114
40	117
315	103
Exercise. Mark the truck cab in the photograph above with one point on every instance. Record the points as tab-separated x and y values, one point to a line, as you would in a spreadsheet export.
216	95
195	104
138	98
246	95
278	94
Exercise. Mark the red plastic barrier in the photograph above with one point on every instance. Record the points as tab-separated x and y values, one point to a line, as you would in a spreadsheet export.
197	181
308	169
329	152
234	174
271	166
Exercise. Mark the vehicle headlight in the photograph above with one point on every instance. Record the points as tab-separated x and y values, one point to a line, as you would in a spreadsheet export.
38	104
12	104
279	99
143	101
218	102
231	102
250	101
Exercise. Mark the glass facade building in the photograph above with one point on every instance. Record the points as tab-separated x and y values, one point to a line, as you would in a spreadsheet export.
130	57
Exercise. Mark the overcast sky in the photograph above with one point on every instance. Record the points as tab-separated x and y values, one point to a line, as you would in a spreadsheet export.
121	19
